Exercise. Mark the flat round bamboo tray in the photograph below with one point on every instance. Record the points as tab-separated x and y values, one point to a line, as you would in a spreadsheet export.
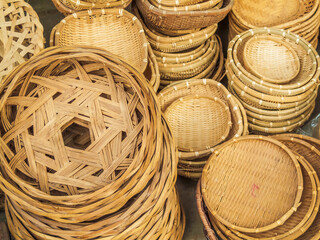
309	148
21	34
182	20
67	7
108	29
300	220
258	193
198	123
203	87
270	59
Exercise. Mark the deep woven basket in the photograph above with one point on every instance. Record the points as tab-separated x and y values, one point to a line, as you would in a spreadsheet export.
21	34
93	150
182	20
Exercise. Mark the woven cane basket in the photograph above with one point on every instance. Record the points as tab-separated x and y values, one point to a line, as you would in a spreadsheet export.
192	162
240	155
274	104
21	34
182	20
299	17
108	29
67	7
93	150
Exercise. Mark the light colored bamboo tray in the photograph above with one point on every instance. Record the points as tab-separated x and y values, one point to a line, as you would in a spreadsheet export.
242	210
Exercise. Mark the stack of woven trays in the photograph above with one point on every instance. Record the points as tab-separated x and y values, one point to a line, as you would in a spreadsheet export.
201	114
109	29
274	74
257	187
185	54
298	16
85	152
21	38
68	7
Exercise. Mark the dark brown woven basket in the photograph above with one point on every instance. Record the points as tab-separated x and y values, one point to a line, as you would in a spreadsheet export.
182	20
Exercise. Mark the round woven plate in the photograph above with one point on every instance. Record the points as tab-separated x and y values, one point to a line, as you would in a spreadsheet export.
271	59
307	147
198	122
241	184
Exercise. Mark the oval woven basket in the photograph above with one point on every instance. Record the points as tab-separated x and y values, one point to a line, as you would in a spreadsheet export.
205	87
214	4
67	7
182	20
108	29
198	122
270	59
253	203
21	34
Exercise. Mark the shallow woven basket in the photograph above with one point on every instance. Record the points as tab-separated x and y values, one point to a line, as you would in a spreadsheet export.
251	200
105	155
182	20
309	63
21	34
214	4
304	22
204	87
67	7
107	29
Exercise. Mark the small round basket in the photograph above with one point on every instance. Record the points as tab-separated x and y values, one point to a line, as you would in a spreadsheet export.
21	34
240	184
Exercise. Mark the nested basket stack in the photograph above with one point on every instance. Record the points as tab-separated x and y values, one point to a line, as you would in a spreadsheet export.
85	152
201	114
186	51
68	7
109	29
298	16
274	74
21	38
257	187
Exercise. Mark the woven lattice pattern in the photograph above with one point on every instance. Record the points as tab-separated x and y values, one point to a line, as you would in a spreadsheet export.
74	136
21	34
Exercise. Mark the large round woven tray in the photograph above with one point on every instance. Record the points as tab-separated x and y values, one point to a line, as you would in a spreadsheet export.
21	34
309	148
240	184
108	29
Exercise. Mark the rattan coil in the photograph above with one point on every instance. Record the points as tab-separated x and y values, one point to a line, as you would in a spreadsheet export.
22	34
182	20
67	7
